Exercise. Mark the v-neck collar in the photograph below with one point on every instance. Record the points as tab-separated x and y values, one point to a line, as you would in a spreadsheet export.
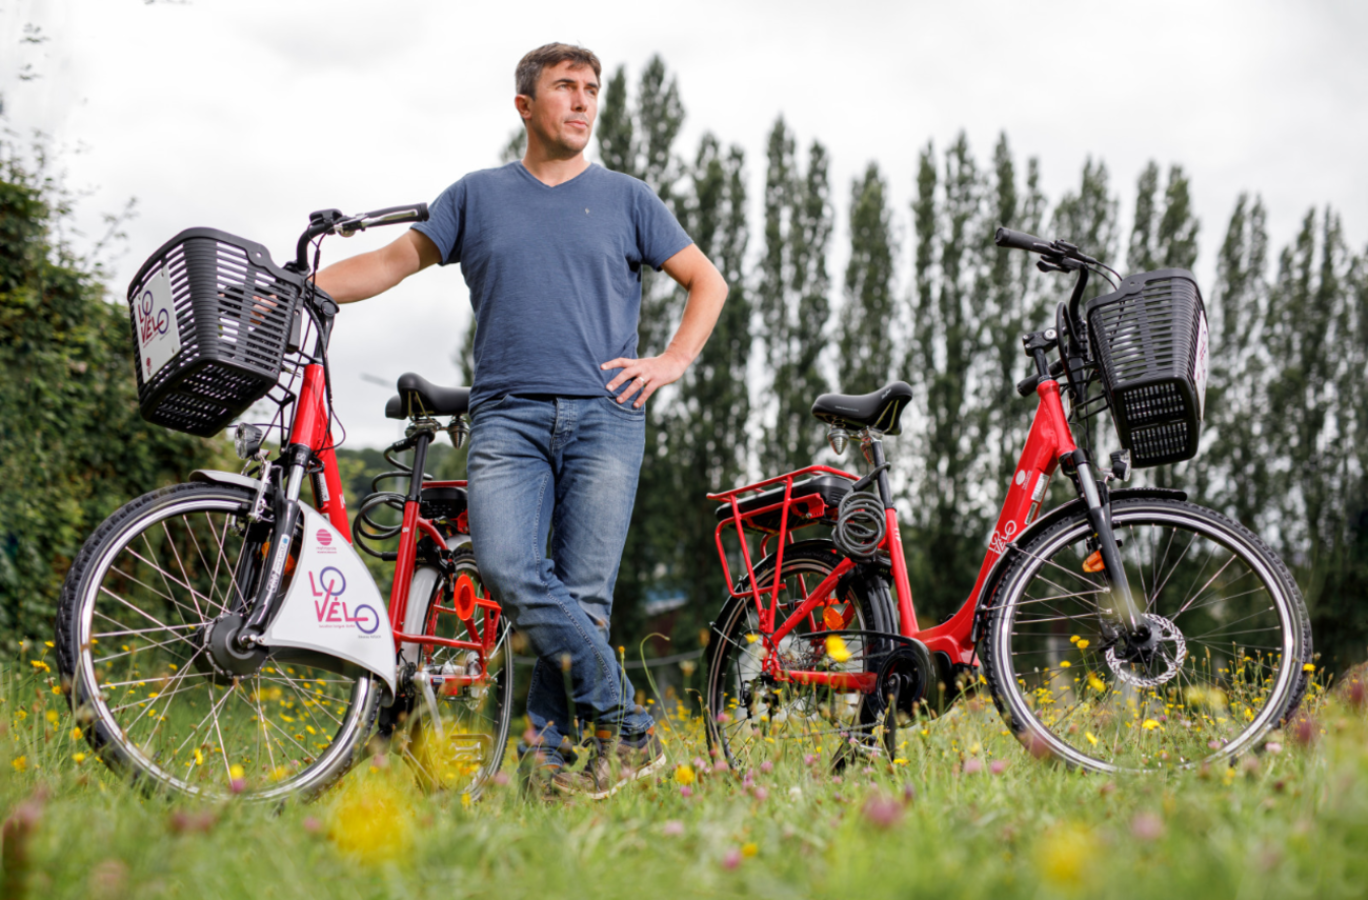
551	187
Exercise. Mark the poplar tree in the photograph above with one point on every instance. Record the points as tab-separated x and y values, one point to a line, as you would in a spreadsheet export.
707	423
1088	218
866	337
1234	466
792	295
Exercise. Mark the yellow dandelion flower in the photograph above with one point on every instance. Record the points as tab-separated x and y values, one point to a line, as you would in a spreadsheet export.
199	757
52	716
749	849
370	822
1082	643
752	638
1096	683
40	666
1149	724
684	774
78	757
836	648
75	734
1309	667
1074	639
1091	740
235	771
465	801
1064	664
57	689
49	644
1064	854
20	763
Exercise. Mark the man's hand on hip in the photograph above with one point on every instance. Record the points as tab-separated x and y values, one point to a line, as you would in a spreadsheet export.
707	292
643	377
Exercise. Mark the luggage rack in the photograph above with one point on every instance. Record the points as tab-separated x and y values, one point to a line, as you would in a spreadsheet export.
777	507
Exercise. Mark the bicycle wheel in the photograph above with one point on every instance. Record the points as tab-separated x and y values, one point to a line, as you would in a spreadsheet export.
747	710
463	746
131	632
1223	665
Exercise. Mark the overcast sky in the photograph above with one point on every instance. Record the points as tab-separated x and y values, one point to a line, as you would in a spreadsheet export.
247	114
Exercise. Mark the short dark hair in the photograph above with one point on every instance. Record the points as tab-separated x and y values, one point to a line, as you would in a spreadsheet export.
531	65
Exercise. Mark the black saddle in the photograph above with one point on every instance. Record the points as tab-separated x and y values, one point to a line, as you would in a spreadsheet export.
419	397
880	410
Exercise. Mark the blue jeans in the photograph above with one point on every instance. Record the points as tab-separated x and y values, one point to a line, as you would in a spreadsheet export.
570	466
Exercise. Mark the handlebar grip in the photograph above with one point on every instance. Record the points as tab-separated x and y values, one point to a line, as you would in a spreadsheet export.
393	215
1020	240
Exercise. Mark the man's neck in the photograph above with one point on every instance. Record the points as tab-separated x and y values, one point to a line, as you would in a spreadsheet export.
551	170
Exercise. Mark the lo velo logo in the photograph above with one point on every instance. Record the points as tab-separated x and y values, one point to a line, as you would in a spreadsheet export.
330	584
149	324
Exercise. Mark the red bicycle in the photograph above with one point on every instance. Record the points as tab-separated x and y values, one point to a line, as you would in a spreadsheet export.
1126	629
223	637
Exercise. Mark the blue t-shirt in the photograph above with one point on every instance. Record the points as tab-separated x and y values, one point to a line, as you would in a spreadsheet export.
554	273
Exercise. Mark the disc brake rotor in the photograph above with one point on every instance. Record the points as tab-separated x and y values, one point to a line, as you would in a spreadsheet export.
1166	648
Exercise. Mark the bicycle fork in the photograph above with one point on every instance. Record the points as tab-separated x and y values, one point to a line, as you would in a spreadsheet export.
1124	611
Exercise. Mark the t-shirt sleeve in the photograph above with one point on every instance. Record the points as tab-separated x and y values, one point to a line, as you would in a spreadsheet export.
445	226
659	234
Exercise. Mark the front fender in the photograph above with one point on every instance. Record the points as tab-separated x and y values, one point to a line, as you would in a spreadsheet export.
217	476
1062	511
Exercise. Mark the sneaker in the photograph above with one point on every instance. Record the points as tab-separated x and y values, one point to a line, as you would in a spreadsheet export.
612	764
538	768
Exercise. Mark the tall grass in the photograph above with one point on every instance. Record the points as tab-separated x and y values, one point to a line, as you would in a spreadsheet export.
966	814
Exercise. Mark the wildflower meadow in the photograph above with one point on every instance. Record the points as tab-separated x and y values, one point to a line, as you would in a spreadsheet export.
962	810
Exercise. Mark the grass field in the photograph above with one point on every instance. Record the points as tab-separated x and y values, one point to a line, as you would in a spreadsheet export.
967	813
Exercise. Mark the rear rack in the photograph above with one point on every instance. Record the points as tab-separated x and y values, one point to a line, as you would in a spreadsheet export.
789	513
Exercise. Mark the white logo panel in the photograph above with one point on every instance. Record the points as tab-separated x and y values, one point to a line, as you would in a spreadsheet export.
333	605
158	335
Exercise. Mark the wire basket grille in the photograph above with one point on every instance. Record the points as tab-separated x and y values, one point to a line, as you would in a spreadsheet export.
211	316
1150	340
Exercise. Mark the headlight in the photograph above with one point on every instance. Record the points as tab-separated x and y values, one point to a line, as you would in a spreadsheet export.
247	440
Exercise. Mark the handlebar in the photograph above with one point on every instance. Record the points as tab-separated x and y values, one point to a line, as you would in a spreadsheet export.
332	221
1020	240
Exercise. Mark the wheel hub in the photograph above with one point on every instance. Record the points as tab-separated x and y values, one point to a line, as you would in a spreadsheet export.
222	657
1153	656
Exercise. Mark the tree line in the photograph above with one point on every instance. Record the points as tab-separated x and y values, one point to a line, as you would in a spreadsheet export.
1285	443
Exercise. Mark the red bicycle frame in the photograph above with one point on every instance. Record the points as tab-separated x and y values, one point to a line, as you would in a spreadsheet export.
311	429
1050	440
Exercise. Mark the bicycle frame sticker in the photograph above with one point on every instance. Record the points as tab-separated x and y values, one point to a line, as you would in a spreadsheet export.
158	335
333	605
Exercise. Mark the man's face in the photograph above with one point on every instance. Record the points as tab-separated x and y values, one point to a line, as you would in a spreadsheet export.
562	114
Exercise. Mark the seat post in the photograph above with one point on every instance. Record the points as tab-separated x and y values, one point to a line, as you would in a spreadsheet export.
876	456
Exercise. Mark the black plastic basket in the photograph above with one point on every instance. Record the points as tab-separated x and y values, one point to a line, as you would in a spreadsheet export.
233	311
1150	340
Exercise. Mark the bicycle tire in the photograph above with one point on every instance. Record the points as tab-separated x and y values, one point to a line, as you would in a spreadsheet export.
149	559
1202	694
440	764
737	729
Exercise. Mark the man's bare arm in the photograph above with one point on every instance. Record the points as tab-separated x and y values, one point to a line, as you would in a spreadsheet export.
707	292
367	274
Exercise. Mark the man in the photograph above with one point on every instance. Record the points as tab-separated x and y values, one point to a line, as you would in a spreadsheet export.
551	248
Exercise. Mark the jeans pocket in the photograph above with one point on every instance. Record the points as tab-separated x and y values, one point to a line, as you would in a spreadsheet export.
491	403
626	410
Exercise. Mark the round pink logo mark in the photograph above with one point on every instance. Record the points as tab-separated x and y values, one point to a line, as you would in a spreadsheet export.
324	537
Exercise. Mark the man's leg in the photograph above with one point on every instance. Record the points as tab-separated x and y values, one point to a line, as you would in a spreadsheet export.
512	492
596	479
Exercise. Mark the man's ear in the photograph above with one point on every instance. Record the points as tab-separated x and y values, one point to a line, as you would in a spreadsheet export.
524	105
